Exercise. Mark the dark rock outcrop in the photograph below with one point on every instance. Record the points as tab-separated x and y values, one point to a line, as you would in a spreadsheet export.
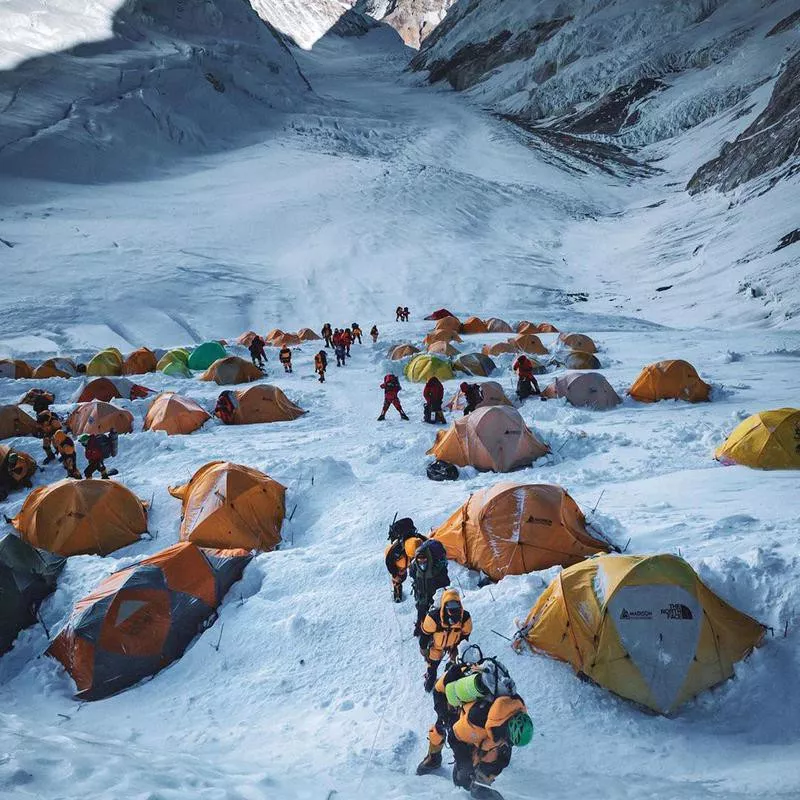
770	142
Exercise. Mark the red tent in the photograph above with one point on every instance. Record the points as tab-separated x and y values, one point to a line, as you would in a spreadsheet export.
440	313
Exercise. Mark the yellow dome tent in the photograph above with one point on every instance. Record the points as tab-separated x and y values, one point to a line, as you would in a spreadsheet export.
428	365
516	528
106	362
767	440
15	368
644	627
492	438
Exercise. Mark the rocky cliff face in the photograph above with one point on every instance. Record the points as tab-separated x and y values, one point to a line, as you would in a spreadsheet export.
414	20
633	72
770	145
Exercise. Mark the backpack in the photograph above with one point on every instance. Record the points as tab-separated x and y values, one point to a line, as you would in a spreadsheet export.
107	444
402	529
391	382
442	471
93	450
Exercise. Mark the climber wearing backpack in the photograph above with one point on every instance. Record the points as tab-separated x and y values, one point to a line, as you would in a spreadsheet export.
258	354
391	388
526	382
347	340
473	395
327	332
47	423
468	661
97	448
356	332
321	364
285	357
434	396
339	348
373	332
16	469
65	448
428	572
225	409
404	540
444	627
492	720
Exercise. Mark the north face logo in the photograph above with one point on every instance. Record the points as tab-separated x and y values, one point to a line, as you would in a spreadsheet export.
635	614
677	611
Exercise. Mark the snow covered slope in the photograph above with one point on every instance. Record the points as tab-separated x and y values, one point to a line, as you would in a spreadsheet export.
368	192
137	84
303	21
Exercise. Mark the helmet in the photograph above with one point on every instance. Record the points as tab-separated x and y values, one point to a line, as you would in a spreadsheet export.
464	386
520	729
469	653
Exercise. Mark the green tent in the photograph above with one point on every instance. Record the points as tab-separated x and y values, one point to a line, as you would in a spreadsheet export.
204	355
27	576
426	365
177	369
176	354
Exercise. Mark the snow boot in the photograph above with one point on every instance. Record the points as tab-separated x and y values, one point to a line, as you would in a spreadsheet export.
397	592
430	677
404	416
431	762
381	418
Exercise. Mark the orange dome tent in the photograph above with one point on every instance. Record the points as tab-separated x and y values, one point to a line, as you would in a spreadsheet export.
474	325
174	414
401	351
529	343
448	324
493	438
76	517
263	403
577	341
99	417
307	335
229	505
496	325
444	335
15	368
669	380
545	327
493	395
232	370
576	359
106	389
15	422
246	339
142	618
56	368
498	348
516	528
443	349
32	395
584	389
286	340
273	334
139	362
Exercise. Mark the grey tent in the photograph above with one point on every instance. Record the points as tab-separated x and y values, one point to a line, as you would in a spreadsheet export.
584	389
27	577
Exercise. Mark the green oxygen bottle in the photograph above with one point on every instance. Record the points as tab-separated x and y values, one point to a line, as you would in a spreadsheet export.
464	690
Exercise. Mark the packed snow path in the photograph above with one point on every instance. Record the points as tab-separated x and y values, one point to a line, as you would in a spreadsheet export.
385	193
